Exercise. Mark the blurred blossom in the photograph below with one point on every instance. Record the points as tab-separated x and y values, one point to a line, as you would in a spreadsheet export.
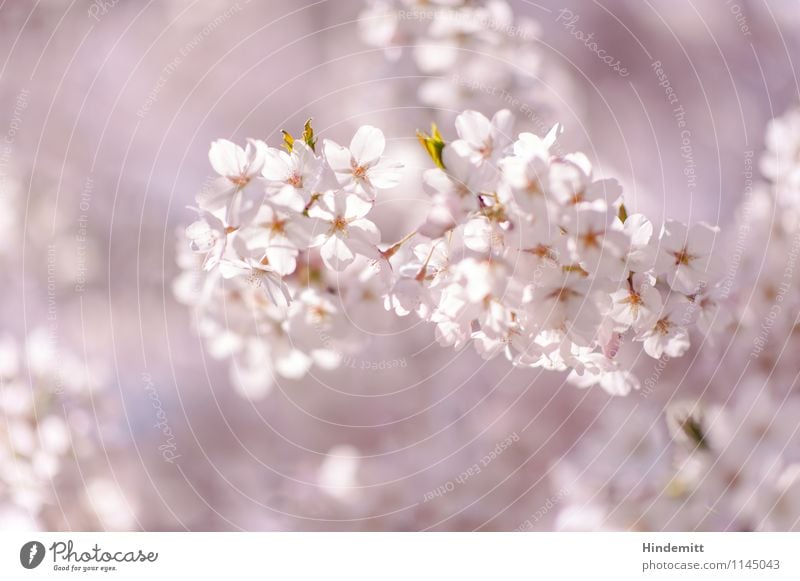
51	439
732	462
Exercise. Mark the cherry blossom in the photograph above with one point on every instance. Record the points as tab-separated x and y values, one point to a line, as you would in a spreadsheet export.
481	139
361	168
685	256
348	232
292	176
237	167
525	254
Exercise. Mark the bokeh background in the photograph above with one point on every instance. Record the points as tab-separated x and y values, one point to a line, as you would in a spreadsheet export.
106	113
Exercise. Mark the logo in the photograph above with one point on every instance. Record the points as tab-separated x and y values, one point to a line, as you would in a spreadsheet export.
31	554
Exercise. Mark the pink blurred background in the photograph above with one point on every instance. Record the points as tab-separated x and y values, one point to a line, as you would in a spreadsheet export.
110	113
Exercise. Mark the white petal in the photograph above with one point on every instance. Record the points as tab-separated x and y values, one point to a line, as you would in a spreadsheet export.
473	127
227	158
277	165
502	127
477	234
364	231
215	198
338	157
292	363
367	145
336	254
386	174
355	207
288	197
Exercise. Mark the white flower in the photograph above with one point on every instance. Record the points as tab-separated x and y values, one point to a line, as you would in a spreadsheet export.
668	335
527	171
348	231
257	272
480	139
208	236
779	163
685	256
361	169
291	177
567	305
641	253
455	189
638	304
337	475
535	251
596	245
607	375
571	182
237	166
410	295
278	236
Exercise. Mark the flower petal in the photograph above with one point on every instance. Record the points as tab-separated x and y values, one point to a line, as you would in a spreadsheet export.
367	145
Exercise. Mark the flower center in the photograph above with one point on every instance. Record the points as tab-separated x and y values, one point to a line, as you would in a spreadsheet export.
533	188
592	238
296	180
278	226
634	302
683	257
577	198
239	181
542	251
563	294
319	314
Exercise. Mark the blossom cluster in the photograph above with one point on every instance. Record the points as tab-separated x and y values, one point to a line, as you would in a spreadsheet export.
465	39
47	407
730	458
524	253
765	264
540	261
274	230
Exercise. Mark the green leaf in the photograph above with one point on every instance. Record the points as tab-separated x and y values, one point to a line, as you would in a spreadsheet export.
433	144
623	213
695	432
288	140
308	135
